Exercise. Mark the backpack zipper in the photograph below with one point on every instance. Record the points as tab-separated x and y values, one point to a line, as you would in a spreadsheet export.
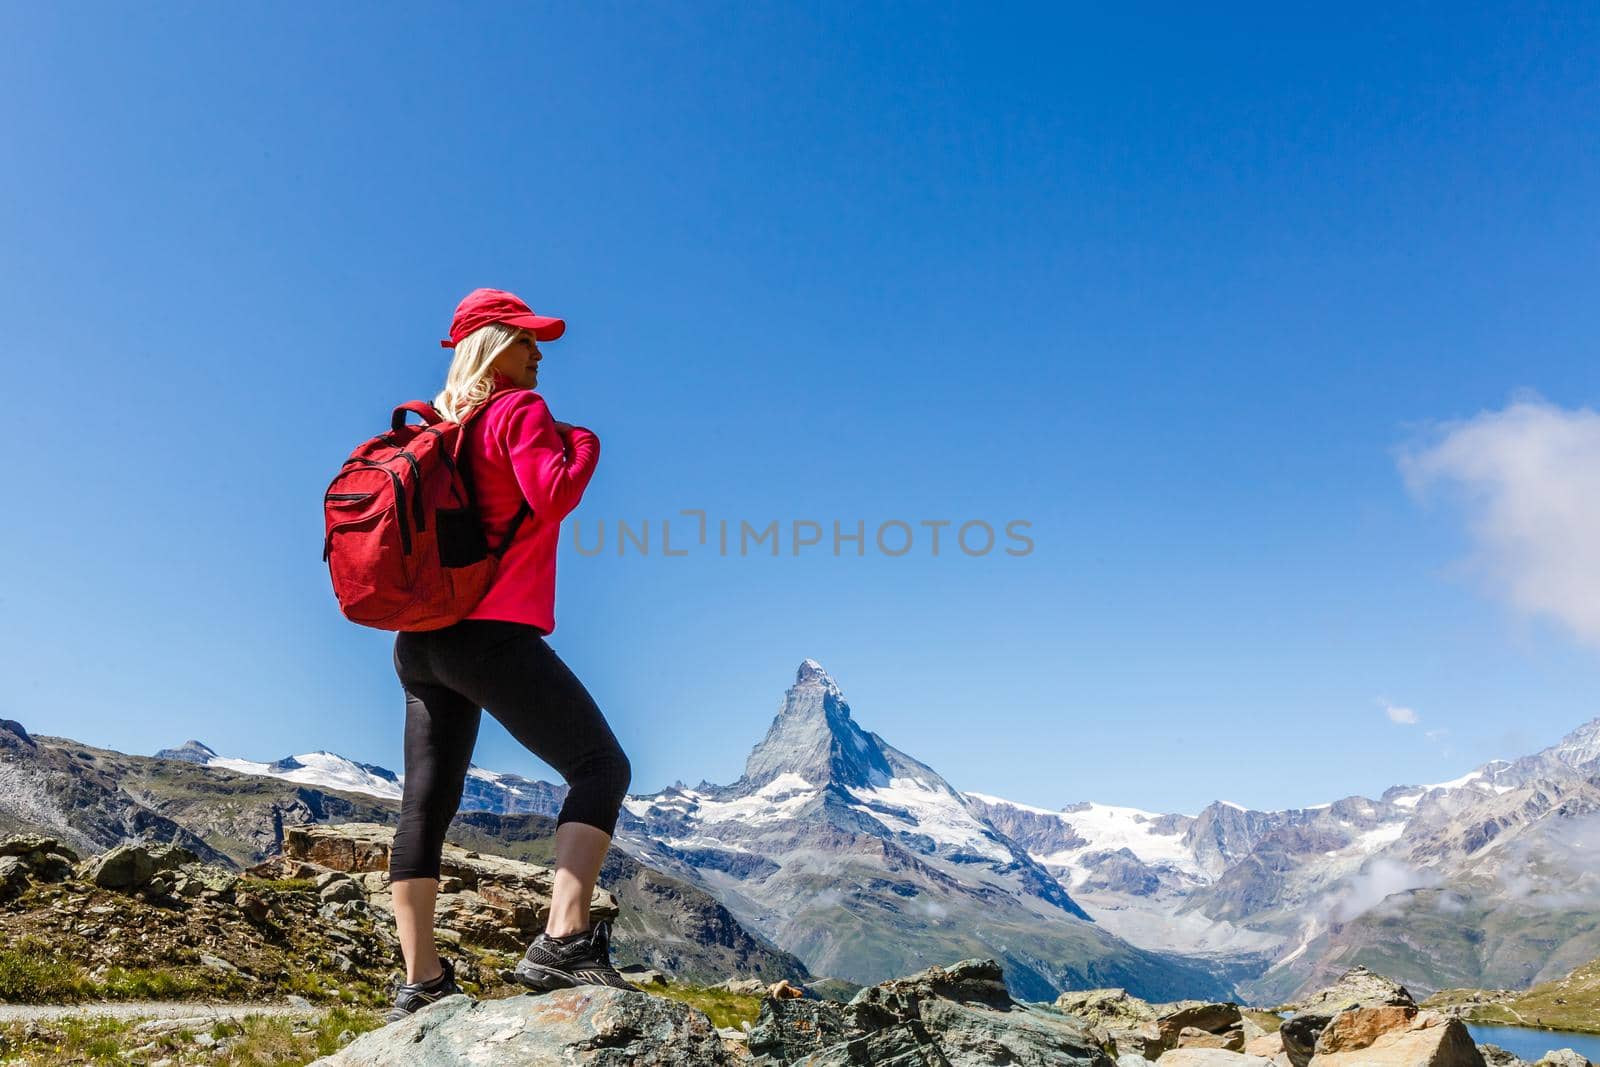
420	518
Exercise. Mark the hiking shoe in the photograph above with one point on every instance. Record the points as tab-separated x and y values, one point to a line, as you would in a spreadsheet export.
410	996
583	958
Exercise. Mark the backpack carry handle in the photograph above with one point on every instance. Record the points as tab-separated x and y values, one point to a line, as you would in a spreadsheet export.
415	407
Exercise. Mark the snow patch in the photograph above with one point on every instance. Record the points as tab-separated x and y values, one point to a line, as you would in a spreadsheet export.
1108	828
1373	840
317	768
782	798
1003	802
930	811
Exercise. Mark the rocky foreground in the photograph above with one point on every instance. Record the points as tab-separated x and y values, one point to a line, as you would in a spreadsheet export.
152	920
957	1016
314	926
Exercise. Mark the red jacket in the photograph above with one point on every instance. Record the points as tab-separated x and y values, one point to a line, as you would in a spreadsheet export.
516	454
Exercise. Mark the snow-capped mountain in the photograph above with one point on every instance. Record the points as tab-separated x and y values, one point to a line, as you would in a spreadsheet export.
1310	890
865	862
308	768
503	794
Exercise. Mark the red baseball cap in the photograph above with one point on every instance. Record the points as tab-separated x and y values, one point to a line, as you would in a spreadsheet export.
482	306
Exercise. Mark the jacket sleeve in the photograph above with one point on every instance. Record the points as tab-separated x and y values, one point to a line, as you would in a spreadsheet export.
552	480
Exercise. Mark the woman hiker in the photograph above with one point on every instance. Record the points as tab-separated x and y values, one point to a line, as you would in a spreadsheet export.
497	658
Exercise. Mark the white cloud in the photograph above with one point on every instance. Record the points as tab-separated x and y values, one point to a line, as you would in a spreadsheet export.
1528	478
1403	716
1379	879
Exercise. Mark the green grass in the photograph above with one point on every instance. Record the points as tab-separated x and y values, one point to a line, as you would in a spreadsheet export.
277	885
67	1041
146	983
323	987
31	974
724	1008
1568	1003
254	1041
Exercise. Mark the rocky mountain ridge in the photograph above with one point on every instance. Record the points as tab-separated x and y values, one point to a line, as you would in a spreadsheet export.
865	862
1496	852
91	799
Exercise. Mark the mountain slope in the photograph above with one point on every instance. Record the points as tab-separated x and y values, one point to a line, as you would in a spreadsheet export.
72	795
98	798
865	863
1482	880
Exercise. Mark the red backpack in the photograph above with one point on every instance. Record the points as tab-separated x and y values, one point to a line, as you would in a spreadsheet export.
404	545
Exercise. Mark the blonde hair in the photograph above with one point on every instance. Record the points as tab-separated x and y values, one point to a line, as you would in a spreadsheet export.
469	380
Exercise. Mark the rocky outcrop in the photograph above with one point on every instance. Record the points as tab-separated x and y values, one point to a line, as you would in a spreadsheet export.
189	752
1105	1007
1395	1036
1356	988
487	900
26	858
159	871
1129	1026
1202	1025
1495	1056
1563	1058
570	1027
1116	1019
154	871
153	916
958	1015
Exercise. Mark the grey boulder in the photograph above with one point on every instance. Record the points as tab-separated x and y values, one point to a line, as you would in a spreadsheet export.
123	867
569	1027
13	878
1563	1058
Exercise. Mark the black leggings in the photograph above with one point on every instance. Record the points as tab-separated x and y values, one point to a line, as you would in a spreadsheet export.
448	676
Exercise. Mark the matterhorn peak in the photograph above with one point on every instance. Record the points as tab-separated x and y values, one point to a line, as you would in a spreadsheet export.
812	736
810	671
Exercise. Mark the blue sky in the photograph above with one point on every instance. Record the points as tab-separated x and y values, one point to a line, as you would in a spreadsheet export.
1182	292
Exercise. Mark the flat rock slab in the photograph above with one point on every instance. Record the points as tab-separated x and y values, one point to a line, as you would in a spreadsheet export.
569	1027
